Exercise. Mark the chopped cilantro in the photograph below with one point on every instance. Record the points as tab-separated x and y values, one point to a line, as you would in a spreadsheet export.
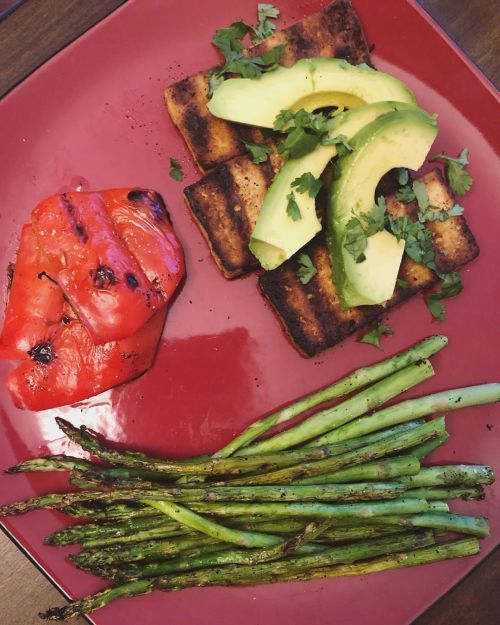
365	66
459	180
402	175
229	41
306	270
176	169
259	152
402	283
405	194
265	27
418	239
283	119
360	227
343	145
451	286
307	183
421	195
372	337
432	213
292	208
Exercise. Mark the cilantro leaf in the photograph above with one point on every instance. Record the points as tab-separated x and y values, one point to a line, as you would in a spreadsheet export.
372	337
292	208
229	39
402	283
459	180
343	145
259	152
403	176
265	27
283	119
418	239
405	194
360	227
307	183
432	213
176	169
215	80
306	270
451	285
355	239
421	195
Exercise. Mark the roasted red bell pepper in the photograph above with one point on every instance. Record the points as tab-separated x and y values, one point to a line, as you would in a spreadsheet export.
100	262
35	304
69	367
142	221
100	277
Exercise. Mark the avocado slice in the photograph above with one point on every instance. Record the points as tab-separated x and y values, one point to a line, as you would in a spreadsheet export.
398	139
276	236
309	84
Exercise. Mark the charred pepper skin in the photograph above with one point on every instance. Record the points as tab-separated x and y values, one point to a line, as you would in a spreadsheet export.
76	228
35	301
63	363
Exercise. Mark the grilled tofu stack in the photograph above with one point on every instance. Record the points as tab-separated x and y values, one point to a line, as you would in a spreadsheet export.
225	203
333	32
311	313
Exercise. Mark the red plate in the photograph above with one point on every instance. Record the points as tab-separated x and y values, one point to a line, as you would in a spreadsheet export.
94	116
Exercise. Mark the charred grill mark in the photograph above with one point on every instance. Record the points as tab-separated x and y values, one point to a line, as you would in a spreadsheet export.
44	274
42	353
196	127
66	320
104	277
131	280
77	226
11	267
153	200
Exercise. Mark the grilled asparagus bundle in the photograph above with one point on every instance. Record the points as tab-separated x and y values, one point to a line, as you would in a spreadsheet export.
342	493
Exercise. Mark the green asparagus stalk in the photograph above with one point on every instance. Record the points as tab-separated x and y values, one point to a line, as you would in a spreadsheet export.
90	531
116	512
211	528
413	409
379	470
359	378
320	557
355	406
431	493
221	466
315	510
50	463
449	475
289	569
378	450
423	450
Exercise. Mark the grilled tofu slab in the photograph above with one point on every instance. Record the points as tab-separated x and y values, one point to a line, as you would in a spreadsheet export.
333	32
311	314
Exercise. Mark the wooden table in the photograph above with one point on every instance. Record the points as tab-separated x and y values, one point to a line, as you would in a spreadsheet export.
30	35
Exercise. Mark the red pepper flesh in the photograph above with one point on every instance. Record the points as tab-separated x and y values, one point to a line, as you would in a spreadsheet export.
100	277
35	302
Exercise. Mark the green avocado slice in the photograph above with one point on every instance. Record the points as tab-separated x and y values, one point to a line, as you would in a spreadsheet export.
309	84
276	236
398	139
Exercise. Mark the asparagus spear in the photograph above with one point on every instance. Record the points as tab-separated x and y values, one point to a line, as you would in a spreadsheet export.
290	568
216	466
315	510
347	410
423	450
378	450
359	378
378	470
467	493
461	474
116	512
412	409
50	463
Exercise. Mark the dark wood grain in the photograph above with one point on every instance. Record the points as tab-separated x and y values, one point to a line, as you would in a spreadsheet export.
31	35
